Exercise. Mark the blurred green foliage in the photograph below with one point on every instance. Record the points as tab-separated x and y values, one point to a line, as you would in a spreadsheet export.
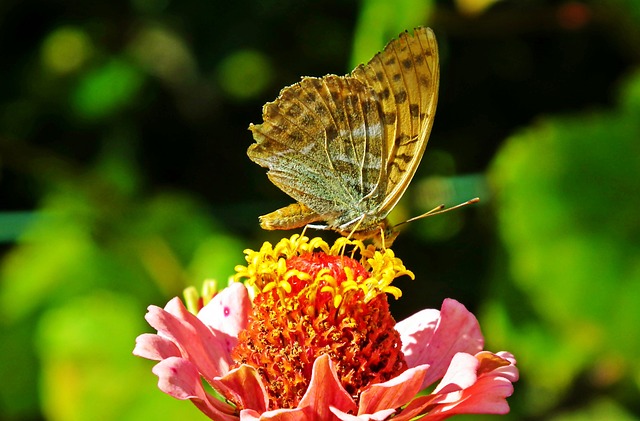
124	179
567	201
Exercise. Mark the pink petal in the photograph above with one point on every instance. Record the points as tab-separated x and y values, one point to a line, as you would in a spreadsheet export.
204	347
377	416
432	340
325	390
249	415
244	387
179	378
393	393
460	375
415	331
415	408
228	311
296	414
154	347
509	372
487	395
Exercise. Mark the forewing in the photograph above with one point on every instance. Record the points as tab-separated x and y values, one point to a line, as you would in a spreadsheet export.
405	76
322	142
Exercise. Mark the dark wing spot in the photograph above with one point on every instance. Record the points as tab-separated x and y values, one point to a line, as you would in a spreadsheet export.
401	138
332	133
273	130
320	109
404	140
294	111
307	119
389	118
369	106
401	97
295	135
404	158
414	110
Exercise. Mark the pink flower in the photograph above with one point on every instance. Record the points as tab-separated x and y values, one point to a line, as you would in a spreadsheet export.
318	343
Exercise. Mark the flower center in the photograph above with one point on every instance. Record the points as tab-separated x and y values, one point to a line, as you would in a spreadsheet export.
311	303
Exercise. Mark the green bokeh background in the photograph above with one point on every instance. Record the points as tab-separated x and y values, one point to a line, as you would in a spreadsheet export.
124	179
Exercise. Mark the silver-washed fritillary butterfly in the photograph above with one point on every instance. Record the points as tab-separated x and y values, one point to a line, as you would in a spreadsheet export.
346	147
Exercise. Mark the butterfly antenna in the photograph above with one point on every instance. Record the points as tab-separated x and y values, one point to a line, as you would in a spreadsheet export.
440	209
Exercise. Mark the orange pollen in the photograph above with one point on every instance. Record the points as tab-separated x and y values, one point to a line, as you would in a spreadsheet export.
316	303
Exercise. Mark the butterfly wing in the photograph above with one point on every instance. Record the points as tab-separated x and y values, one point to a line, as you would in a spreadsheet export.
322	141
405	76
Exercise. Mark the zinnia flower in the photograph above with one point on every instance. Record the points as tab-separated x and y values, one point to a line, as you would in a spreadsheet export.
318	342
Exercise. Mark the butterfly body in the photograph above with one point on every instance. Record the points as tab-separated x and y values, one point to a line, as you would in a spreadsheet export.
346	147
365	226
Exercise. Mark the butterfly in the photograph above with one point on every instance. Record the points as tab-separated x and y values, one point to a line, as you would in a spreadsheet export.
346	147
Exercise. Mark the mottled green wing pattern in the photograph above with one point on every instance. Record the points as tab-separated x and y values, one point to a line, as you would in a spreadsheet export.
322	142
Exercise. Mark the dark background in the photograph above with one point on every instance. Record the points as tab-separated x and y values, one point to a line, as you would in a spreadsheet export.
124	179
